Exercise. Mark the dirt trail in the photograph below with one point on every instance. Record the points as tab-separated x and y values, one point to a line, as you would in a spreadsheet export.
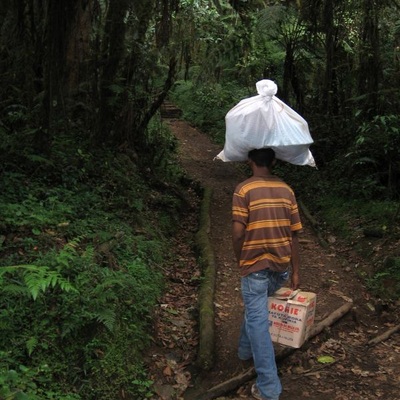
359	371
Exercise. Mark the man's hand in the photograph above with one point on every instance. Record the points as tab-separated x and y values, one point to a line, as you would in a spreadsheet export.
295	281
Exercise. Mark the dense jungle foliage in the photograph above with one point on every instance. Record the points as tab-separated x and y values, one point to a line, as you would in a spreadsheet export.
90	189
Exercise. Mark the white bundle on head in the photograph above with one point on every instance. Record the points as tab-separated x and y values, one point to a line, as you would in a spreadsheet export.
266	89
265	121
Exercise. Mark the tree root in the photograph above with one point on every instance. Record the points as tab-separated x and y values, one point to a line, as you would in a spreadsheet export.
205	356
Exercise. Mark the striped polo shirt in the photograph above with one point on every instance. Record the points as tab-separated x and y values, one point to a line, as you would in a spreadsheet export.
267	207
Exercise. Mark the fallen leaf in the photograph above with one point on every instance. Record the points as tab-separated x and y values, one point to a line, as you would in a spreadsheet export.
326	359
167	371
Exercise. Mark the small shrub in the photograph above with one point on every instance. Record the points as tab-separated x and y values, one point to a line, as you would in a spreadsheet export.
385	282
206	104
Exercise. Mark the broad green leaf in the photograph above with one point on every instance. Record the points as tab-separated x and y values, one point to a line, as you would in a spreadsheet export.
326	359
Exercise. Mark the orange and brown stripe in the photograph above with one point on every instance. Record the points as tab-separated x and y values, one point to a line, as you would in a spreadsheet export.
268	209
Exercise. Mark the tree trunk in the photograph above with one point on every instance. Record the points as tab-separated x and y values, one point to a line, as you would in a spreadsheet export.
328	91
287	72
290	78
78	47
369	58
112	54
60	15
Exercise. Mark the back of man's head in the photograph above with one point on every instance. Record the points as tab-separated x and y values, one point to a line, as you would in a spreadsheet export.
262	157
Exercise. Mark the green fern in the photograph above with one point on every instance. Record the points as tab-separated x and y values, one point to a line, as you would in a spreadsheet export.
14	289
31	344
39	278
107	317
42	278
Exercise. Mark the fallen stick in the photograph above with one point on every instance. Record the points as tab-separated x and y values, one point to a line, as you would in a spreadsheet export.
239	380
313	371
384	336
314	224
308	215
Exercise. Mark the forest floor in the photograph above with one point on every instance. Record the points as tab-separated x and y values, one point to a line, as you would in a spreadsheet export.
358	371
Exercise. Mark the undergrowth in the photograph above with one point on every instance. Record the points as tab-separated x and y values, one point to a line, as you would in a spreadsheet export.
84	234
205	105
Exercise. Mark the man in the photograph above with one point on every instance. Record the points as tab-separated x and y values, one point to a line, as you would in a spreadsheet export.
264	232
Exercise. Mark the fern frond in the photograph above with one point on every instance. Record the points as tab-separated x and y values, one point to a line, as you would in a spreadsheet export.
89	253
66	286
31	344
39	278
40	159
13	289
74	243
107	317
36	280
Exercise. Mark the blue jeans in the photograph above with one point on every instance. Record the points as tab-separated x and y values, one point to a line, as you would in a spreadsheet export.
255	340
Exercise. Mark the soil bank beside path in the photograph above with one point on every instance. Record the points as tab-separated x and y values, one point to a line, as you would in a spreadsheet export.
358	371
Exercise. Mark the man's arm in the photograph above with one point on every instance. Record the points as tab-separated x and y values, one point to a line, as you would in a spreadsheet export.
295	261
238	231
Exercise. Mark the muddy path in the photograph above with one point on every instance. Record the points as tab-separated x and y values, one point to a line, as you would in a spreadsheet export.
359	371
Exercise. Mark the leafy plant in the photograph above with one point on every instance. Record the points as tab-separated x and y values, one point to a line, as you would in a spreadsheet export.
36	278
375	156
206	104
385	281
22	384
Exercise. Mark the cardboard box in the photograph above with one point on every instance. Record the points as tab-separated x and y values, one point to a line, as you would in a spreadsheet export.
291	316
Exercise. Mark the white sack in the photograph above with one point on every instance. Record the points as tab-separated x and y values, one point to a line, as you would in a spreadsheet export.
266	121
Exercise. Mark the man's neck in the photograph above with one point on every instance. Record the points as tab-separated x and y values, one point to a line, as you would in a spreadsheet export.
261	171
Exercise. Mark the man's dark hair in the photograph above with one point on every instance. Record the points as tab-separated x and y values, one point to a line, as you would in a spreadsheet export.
262	157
